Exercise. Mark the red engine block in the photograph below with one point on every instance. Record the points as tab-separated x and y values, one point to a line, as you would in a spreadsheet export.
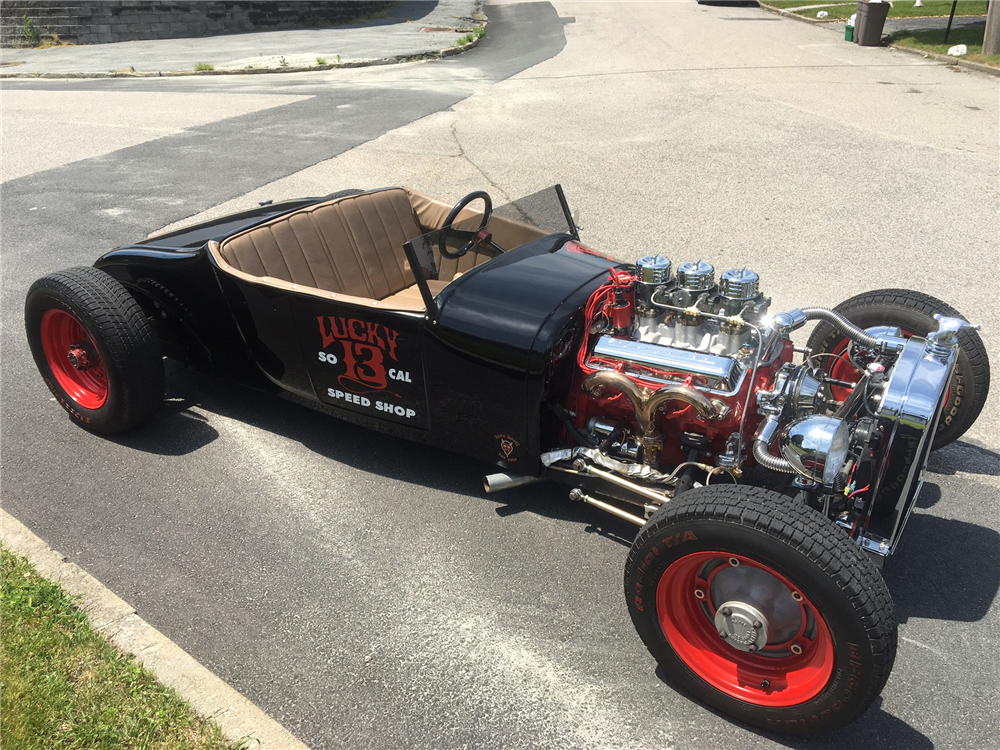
614	302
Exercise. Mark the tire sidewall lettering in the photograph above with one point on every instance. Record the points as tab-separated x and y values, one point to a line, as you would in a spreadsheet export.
852	663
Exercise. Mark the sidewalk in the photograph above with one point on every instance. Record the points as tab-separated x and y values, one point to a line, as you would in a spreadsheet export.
408	30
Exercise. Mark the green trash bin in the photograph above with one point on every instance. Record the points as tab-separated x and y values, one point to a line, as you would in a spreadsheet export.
869	23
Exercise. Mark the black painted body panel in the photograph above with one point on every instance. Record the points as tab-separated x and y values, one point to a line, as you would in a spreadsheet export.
495	342
472	380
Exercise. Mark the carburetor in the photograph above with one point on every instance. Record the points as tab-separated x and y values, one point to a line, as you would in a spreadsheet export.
672	311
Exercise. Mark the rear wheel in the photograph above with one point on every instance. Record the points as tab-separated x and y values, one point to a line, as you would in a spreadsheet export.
95	349
762	608
913	312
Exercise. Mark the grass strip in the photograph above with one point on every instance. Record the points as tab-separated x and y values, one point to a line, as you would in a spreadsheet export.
65	687
933	41
900	8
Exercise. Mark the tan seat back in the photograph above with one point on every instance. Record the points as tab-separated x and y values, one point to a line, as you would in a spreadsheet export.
308	246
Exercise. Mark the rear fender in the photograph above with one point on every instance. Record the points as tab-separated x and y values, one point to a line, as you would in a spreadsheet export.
179	292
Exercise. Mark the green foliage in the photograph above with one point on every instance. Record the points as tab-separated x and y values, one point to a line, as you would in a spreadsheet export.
470	37
30	31
321	61
899	9
204	66
66	687
283	62
933	41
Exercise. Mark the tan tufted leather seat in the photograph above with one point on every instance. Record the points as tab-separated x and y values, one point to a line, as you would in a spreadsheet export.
352	247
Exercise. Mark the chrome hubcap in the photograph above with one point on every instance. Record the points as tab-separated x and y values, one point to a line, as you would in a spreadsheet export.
742	625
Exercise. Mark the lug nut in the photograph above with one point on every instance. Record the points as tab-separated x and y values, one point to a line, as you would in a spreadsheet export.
765	684
796	649
722	634
752	648
757	624
726	611
699	594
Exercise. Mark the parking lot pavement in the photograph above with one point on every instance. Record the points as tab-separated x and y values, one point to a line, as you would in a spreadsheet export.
363	590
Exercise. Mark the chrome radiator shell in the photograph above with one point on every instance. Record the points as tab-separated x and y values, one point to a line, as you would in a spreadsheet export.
908	416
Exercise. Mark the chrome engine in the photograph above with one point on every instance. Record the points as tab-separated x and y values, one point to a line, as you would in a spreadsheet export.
683	380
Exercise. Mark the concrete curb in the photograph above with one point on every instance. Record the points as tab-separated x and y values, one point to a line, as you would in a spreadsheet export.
947	59
789	14
446	52
118	622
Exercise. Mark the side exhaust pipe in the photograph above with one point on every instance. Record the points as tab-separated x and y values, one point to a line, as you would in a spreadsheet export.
505	481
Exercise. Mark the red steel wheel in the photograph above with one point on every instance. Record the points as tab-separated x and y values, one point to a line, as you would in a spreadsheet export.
95	349
913	313
809	626
784	661
74	360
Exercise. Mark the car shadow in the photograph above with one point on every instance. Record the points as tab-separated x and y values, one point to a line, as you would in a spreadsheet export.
965	555
174	431
965	457
962	553
179	429
875	724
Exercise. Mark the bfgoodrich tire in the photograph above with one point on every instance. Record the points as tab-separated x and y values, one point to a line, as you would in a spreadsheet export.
914	313
810	626
95	349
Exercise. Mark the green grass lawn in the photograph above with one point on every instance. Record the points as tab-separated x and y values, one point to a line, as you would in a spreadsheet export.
62	686
933	41
900	8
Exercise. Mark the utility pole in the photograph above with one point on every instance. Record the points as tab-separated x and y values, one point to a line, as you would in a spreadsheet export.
991	42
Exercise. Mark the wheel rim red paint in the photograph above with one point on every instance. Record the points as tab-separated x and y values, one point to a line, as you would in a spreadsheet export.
842	369
74	360
776	675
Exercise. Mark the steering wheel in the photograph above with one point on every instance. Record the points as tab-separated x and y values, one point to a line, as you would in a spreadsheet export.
473	238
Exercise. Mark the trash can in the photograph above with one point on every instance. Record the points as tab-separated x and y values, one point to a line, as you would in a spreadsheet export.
869	23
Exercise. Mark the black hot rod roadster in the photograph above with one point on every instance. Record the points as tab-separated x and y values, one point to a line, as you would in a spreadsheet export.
769	481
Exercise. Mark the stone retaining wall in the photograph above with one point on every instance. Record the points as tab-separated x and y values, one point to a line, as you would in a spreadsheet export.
127	20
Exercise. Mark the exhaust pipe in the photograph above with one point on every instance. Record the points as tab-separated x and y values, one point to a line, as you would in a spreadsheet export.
505	481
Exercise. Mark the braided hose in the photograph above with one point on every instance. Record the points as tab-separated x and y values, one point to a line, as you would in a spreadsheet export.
843	325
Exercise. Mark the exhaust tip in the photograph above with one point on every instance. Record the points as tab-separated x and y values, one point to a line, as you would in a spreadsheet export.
505	481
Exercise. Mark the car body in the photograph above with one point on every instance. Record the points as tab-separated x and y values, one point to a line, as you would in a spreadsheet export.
666	397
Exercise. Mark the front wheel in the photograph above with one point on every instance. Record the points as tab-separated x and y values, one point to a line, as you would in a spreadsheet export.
95	349
760	607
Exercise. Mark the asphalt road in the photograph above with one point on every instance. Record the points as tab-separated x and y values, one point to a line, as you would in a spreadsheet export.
364	591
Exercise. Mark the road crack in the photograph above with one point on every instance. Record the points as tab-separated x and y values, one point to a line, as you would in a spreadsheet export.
465	156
